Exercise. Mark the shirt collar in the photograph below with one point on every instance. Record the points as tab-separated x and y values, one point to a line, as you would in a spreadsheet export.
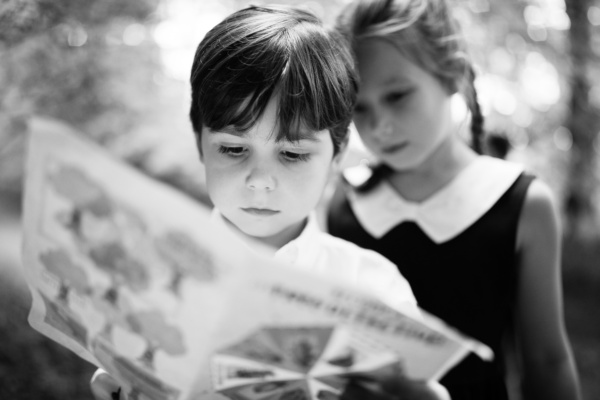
448	212
302	251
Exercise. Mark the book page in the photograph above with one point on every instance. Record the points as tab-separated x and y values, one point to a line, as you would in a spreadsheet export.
134	277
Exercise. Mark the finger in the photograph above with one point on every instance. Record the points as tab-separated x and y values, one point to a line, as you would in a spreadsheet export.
419	390
381	374
105	387
360	377
363	391
441	392
354	391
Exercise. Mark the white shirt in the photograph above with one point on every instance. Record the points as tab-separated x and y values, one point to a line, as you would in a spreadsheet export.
318	252
447	212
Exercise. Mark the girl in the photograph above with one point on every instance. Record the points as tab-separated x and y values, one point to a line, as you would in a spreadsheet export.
476	237
272	98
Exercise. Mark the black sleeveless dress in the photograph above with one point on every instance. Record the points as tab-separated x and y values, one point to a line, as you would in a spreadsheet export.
468	281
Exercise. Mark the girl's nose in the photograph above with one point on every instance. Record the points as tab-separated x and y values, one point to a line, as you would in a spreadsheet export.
260	178
384	130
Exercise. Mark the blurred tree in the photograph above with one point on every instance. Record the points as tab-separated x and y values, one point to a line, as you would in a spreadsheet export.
584	124
93	66
537	80
64	59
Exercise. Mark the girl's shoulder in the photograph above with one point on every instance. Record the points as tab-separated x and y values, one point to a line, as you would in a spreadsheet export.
539	215
483	171
484	168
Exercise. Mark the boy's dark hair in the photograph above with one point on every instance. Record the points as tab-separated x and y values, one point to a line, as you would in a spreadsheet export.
259	52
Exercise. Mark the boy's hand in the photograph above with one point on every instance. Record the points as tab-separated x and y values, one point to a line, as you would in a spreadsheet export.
403	389
361	387
105	387
392	385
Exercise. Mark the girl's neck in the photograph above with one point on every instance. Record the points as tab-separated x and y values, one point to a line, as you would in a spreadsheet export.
441	167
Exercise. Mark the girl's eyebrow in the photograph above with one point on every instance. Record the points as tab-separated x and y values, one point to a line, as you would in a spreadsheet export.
392	80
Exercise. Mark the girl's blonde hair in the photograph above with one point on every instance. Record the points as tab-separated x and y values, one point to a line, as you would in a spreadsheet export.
425	32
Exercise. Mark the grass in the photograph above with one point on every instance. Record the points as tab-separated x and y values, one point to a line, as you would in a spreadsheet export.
583	325
581	282
31	365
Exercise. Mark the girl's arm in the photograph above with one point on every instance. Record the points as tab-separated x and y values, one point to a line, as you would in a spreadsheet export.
546	359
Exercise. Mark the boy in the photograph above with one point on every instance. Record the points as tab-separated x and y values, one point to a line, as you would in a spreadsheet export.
272	98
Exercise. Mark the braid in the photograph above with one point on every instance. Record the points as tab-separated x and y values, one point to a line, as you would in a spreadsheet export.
477	120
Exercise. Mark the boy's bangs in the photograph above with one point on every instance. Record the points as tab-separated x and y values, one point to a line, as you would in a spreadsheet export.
311	96
312	82
237	91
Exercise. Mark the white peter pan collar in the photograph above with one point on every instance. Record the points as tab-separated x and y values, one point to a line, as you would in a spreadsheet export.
448	212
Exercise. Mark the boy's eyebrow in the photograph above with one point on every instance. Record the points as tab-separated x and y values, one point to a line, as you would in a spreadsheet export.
298	135
231	130
306	135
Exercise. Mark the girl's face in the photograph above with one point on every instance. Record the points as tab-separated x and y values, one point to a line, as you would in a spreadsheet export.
402	112
266	189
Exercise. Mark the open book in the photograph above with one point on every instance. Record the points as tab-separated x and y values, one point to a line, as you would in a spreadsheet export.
133	276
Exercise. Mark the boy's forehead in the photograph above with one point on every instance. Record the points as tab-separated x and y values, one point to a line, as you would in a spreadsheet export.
294	136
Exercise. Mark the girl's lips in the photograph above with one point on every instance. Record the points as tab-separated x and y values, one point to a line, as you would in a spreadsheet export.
394	148
260	211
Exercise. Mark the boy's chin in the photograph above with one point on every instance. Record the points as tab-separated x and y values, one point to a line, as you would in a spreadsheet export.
273	235
263	233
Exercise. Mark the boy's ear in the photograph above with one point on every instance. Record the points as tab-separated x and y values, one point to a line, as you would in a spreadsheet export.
337	158
199	145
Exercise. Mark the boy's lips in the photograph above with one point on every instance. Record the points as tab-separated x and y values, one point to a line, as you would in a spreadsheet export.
260	211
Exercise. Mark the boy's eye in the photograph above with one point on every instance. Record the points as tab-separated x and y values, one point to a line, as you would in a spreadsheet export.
294	157
232	151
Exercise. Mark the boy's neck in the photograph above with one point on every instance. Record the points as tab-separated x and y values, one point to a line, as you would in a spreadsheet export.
276	241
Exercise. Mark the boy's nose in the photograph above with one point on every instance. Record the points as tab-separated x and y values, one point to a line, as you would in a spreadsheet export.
260	178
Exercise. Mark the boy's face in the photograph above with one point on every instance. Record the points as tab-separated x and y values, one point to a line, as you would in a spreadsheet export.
264	188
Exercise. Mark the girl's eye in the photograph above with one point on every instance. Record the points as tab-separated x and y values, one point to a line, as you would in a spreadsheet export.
359	108
232	151
396	96
295	157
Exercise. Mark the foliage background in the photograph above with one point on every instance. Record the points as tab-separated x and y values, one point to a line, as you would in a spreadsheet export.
116	72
